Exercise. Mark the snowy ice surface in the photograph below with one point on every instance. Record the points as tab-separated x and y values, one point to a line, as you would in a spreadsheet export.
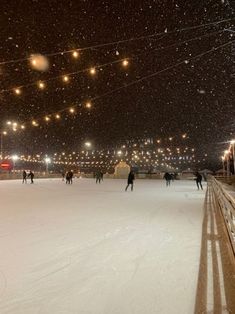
95	249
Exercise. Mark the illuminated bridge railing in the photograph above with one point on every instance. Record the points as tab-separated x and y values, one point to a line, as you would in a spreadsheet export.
227	205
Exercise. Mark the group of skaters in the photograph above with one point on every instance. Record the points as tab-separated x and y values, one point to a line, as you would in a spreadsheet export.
99	176
26	176
68	177
171	177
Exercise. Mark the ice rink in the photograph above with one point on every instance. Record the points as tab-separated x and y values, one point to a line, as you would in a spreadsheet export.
95	249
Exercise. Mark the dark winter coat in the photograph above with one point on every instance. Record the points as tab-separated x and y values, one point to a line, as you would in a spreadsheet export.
198	177
131	178
167	176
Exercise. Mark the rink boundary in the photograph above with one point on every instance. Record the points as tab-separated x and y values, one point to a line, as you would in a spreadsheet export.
216	279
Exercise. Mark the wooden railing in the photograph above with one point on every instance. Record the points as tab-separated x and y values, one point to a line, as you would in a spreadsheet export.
227	205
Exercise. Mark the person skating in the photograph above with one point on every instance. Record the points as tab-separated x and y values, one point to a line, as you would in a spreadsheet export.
101	176
98	176
130	180
71	176
24	177
63	176
168	178
198	180
31	176
67	177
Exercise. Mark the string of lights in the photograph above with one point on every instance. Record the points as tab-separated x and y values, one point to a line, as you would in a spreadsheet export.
75	52
92	70
141	153
56	115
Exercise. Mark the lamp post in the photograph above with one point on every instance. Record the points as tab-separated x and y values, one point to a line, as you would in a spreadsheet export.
14	158
47	161
2	134
227	162
223	159
1	146
233	154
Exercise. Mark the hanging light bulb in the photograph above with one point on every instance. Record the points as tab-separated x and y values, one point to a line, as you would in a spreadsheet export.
71	110
65	78
125	62
57	116
17	91
41	85
88	105
92	71
47	118
34	123
75	54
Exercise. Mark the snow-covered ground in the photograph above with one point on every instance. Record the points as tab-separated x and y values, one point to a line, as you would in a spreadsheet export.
95	249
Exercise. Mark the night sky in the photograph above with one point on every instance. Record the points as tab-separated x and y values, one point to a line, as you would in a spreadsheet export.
196	97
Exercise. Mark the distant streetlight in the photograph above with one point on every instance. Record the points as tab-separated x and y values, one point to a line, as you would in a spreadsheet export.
88	144
14	158
47	161
226	154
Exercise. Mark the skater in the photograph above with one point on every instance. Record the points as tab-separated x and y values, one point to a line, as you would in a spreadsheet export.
101	176
168	178
198	180
63	176
31	176
98	176
24	177
68	178
130	180
71	176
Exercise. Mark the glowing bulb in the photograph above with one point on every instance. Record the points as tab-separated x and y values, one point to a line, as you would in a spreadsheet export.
15	157
88	144
47	118
47	160
17	91
9	122
4	132
14	124
39	62
57	116
34	123
22	127
92	71
184	135
71	110
232	142
65	78
88	105
75	54
41	85
125	62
